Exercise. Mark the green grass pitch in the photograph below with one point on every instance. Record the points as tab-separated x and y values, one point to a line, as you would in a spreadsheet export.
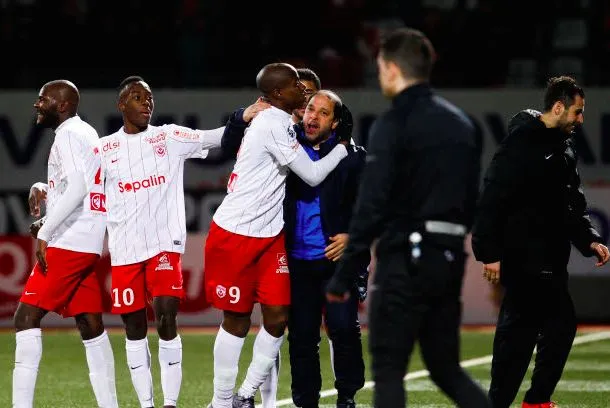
63	378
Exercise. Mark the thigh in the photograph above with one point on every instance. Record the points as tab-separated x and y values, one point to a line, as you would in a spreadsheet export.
90	296
164	275
272	275
128	292
34	287
307	300
66	270
395	313
229	270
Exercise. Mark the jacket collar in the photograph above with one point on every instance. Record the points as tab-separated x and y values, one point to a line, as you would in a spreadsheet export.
412	92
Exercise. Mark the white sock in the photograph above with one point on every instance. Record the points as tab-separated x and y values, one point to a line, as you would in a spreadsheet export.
138	360
27	359
227	349
100	360
170	360
269	387
265	351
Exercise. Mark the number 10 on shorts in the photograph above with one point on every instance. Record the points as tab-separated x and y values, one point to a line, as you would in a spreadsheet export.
126	297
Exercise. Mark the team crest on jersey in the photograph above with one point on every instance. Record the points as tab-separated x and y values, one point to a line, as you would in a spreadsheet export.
291	132
160	149
282	263
97	202
164	264
221	291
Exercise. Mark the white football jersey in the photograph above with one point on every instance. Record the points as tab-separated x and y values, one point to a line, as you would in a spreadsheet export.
75	150
256	188
144	189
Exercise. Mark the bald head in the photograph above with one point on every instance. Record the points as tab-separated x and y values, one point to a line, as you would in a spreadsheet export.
64	92
275	76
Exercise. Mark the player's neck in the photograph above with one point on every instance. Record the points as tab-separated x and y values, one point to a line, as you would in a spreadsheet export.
131	129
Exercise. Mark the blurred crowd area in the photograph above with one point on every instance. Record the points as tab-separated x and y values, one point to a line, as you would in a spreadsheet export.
223	43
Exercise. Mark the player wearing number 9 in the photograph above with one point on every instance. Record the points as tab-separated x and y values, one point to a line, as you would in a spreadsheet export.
69	244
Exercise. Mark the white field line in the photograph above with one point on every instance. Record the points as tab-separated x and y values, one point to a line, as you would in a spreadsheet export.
473	362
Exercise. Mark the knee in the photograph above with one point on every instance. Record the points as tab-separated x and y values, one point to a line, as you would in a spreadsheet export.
236	324
90	326
276	326
26	318
166	324
136	324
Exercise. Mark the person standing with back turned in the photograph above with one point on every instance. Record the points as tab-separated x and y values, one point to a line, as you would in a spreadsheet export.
417	197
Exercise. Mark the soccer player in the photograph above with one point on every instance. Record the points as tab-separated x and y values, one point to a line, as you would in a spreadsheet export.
245	256
69	244
143	166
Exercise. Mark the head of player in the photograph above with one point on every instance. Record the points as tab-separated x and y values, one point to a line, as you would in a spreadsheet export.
564	104
279	83
136	103
312	84
405	58
322	116
57	101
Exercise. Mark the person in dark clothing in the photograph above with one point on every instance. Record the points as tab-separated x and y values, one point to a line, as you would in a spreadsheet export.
531	209
316	222
417	198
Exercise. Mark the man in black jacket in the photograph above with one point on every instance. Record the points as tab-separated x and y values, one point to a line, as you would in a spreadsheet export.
417	197
531	208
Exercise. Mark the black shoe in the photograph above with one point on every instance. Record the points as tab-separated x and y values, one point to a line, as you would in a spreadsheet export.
346	402
242	402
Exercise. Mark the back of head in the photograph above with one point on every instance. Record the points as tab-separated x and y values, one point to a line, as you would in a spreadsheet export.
411	51
306	74
275	76
562	89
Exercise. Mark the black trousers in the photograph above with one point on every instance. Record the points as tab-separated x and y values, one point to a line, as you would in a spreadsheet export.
535	313
308	281
420	301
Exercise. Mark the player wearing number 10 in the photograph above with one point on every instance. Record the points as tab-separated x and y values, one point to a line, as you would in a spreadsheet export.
68	247
143	168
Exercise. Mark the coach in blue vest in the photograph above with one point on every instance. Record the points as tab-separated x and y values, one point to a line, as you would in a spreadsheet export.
316	222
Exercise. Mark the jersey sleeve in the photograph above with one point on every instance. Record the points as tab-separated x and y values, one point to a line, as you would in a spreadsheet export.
194	143
282	143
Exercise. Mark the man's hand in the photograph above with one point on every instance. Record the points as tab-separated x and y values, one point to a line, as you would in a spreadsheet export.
37	196
601	252
336	247
35	227
251	111
491	272
41	254
345	126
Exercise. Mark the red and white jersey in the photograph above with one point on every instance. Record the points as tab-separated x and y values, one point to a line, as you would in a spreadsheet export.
75	150
144	188
256	188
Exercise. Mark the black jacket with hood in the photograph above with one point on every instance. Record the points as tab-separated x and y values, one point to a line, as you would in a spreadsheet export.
532	206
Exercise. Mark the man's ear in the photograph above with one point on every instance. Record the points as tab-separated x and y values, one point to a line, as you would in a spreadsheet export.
558	108
335	123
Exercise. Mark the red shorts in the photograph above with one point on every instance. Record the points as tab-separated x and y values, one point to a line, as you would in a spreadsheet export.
240	271
134	285
70	287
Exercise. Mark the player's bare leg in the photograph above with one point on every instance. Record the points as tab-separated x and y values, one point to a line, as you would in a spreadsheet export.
100	358
265	352
227	348
138	355
27	353
170	348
